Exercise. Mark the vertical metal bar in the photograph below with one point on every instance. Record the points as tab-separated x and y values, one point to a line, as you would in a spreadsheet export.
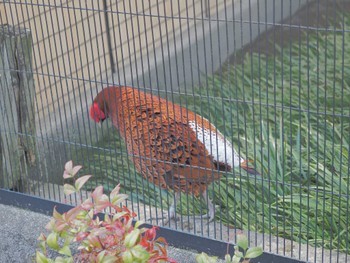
206	8
318	155
344	137
332	234
290	135
300	132
282	132
108	33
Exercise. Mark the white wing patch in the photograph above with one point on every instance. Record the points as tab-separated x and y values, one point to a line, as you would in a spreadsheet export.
216	144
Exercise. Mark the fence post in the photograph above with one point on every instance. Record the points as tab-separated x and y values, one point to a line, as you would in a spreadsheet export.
17	120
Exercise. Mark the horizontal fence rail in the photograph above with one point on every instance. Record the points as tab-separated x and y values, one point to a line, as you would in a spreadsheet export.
233	109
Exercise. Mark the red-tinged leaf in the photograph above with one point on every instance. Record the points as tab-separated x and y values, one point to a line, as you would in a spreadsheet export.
68	189
151	232
60	226
72	213
42	237
51	225
115	191
87	204
55	214
162	249
117	208
144	243
161	240
67	175
76	169
94	241
81	235
68	166
96	194
81	181
101	203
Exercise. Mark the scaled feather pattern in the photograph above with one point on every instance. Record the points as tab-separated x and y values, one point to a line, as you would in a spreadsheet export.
169	145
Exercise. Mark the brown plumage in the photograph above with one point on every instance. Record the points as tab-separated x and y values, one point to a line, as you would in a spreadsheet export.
167	143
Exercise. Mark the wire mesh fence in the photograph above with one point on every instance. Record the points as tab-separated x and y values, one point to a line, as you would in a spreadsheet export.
271	76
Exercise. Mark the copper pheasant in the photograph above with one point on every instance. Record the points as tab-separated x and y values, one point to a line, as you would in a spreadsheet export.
169	145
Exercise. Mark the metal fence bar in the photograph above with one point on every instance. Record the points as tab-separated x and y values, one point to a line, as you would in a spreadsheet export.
272	79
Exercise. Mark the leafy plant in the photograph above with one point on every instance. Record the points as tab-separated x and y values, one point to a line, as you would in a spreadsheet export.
242	252
113	239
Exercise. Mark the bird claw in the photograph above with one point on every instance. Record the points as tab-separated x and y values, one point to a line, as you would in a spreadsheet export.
210	215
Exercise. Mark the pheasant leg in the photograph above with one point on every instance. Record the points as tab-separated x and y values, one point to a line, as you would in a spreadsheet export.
211	208
172	210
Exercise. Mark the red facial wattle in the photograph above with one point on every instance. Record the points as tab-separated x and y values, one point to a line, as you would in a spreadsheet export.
96	113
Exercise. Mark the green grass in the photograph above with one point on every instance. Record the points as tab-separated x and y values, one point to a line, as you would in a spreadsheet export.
290	113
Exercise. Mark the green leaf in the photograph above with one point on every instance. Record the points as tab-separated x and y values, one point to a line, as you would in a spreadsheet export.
81	181
40	258
68	189
238	253
235	259
132	237
127	257
228	258
205	258
242	241
118	215
110	259
52	241
42	246
65	251
139	223
64	260
254	252
117	199
140	253
101	256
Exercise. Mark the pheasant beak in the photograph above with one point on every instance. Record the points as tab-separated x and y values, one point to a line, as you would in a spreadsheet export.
250	169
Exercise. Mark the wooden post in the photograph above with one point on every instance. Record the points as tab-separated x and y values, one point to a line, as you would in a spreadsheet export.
17	123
